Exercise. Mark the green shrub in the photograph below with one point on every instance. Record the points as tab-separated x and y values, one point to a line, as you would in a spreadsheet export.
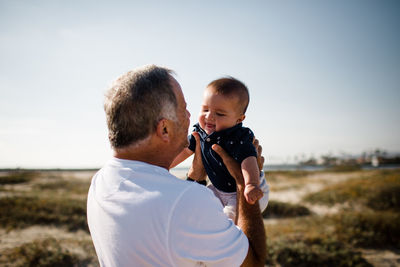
278	209
70	186
17	212
45	253
387	198
17	177
313	252
369	229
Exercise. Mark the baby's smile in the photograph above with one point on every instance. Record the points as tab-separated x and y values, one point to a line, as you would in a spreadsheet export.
209	128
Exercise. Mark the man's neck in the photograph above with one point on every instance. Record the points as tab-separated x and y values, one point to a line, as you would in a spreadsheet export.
144	152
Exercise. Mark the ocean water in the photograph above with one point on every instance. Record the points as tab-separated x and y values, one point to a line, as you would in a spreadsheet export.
180	172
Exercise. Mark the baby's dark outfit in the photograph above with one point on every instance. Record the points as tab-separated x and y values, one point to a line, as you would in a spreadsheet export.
237	141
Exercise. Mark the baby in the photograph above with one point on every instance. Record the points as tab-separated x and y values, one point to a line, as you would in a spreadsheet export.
224	105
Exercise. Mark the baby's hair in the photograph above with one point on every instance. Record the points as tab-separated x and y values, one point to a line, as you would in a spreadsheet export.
230	86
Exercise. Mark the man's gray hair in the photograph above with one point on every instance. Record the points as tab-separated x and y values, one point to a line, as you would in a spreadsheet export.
136	102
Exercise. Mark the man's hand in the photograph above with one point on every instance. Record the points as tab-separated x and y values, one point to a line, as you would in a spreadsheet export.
248	216
232	166
197	171
260	158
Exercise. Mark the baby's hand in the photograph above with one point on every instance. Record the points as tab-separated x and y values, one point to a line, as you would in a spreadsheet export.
252	193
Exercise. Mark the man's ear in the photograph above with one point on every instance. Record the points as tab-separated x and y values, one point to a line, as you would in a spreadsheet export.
241	118
162	130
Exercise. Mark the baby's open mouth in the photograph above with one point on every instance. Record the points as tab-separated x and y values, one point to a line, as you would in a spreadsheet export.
210	127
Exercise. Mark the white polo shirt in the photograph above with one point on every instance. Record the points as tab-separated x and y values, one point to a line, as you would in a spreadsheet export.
141	215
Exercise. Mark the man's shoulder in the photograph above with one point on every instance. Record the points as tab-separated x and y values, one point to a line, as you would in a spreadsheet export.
195	190
197	197
199	228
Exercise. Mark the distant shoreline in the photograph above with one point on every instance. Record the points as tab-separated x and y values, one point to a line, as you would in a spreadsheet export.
275	167
295	167
50	169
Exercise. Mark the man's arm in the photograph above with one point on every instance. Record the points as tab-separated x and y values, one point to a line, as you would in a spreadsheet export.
260	158
185	153
249	217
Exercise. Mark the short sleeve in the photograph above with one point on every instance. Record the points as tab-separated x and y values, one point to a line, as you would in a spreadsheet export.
200	232
192	142
244	147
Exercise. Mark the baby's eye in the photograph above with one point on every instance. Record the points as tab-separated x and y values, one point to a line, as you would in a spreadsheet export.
220	114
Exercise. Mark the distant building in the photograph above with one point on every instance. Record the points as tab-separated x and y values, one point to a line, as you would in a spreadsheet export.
374	161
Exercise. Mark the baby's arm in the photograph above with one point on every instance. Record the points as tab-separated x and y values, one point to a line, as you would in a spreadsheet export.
251	175
185	153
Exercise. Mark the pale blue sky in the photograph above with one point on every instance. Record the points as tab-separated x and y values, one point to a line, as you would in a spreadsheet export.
324	76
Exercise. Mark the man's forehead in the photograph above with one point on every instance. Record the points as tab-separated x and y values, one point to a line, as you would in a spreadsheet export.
174	83
176	87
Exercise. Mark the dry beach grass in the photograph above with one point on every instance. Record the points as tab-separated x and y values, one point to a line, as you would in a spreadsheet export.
43	219
352	219
313	219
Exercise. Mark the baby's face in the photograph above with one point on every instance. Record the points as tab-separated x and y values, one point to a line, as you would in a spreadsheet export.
219	112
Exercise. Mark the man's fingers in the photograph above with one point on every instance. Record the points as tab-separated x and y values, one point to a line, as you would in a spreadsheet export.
197	171
259	150
221	152
260	158
198	148
256	143
232	166
228	160
197	138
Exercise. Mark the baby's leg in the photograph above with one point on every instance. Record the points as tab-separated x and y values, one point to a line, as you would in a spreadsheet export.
263	202
228	200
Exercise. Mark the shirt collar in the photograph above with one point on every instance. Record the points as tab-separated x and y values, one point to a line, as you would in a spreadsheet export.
215	135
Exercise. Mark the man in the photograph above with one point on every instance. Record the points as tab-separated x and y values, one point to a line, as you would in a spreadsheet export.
141	215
